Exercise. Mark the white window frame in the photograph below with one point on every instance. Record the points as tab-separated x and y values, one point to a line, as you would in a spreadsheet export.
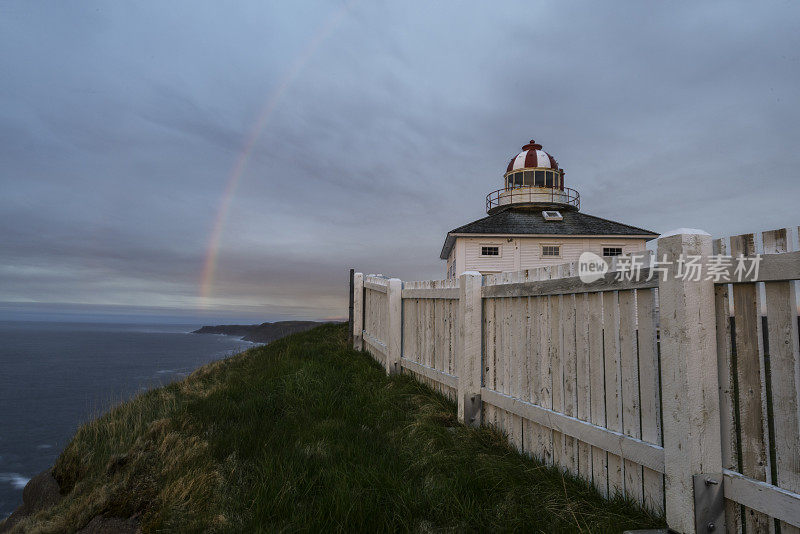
546	257
605	246
499	250
555	218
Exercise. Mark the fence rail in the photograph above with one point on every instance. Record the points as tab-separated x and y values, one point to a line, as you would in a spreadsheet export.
642	452
638	385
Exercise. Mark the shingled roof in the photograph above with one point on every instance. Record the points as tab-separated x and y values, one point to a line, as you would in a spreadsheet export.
530	221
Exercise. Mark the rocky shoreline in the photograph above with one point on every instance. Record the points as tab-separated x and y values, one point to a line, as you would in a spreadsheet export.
43	492
260	333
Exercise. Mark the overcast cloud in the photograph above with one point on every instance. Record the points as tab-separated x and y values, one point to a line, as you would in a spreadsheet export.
120	124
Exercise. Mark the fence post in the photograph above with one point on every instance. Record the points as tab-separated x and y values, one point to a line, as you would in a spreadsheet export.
358	311
470	345
350	310
394	332
692	442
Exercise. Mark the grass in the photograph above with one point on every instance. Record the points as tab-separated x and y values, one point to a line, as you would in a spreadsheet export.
305	434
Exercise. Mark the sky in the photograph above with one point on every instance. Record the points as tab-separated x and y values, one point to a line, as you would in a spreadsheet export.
230	161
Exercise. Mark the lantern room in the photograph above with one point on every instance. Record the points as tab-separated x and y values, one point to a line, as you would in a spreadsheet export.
533	179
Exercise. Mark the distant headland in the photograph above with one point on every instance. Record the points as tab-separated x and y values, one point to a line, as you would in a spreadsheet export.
260	333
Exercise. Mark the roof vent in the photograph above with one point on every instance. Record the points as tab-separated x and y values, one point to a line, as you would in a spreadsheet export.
552	216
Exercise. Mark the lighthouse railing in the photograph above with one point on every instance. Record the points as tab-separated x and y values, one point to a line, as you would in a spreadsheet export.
533	195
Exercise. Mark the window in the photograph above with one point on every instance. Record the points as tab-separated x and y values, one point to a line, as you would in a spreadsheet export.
514	180
490	251
612	251
528	178
552	216
551	251
534	179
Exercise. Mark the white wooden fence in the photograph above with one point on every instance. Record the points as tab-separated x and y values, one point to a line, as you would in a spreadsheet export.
668	389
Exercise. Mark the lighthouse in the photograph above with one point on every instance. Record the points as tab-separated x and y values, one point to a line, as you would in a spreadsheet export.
534	220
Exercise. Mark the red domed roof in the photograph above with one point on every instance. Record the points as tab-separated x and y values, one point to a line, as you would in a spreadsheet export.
532	155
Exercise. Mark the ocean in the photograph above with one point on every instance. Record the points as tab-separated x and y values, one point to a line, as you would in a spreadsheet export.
56	376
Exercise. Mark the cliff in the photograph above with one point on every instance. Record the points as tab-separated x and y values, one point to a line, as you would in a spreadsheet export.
260	333
304	435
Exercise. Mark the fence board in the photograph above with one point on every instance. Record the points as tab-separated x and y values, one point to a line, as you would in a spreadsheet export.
503	355
429	353
438	326
650	387
430	343
527	386
438	356
419	331
511	366
557	373
508	373
726	373
518	329
408	314
435	331
530	430
629	369
749	358
598	410
368	310
454	318
570	458
612	378
545	368
784	361
582	377
444	345
447	321
537	356
489	356
444	337
502	343
422	325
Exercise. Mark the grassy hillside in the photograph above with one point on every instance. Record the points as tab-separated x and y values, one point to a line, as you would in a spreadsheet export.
305	434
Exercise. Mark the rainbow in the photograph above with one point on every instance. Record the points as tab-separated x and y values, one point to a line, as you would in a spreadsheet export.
235	175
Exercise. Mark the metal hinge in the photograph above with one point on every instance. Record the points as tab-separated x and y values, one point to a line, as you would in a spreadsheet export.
472	410
709	503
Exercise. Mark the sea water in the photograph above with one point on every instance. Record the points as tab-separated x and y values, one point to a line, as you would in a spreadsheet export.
56	376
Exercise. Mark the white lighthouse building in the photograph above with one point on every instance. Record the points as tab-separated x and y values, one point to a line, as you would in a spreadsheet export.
535	220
